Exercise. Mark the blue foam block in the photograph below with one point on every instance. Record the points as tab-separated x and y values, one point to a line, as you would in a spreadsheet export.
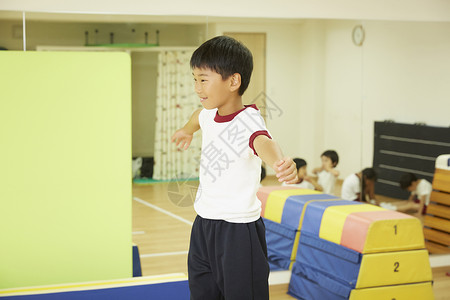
314	211
280	241
293	207
280	237
338	262
303	288
275	267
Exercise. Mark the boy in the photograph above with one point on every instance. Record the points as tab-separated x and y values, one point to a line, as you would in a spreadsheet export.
228	254
327	173
304	181
420	192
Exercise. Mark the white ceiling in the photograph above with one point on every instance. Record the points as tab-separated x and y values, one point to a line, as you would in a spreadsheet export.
195	11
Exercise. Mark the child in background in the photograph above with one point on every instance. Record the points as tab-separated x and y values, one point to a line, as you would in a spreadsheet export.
227	256
362	181
327	173
420	193
304	181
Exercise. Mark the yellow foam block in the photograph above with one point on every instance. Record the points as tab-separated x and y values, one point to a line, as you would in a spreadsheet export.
391	235
416	291
382	231
275	202
391	268
334	217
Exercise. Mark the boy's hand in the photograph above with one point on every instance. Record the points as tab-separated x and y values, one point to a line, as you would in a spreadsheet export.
182	139
286	170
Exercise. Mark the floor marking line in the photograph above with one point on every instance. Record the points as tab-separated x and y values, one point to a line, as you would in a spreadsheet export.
162	210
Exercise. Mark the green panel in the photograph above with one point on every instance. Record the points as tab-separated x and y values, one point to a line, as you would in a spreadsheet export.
65	167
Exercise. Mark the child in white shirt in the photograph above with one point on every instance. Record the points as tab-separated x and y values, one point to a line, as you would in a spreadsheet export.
420	192
228	252
327	173
357	182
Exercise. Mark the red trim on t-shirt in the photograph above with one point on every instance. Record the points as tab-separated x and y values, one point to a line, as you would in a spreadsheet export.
228	118
253	137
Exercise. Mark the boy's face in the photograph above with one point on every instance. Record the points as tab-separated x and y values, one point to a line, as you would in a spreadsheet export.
211	88
301	173
326	162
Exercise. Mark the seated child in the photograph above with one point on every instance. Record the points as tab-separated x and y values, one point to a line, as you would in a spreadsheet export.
304	181
420	193
327	173
357	182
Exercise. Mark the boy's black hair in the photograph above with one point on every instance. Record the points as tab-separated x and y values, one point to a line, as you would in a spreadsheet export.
225	56
331	154
299	162
370	173
367	174
406	180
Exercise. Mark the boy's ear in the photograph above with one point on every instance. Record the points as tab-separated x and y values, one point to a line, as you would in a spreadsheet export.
235	82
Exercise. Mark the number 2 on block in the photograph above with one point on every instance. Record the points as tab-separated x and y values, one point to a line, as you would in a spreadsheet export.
396	266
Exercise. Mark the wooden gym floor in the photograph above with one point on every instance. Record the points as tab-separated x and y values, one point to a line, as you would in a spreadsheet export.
162	219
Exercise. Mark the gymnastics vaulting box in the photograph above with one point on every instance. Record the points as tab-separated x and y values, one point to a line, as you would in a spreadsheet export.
339	249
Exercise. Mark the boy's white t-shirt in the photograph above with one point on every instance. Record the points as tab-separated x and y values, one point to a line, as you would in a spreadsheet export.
423	188
302	185
327	181
351	187
230	169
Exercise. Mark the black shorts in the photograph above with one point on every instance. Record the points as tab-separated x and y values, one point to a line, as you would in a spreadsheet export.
228	260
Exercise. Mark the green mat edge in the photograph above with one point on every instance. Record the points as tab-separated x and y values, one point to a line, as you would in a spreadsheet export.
145	181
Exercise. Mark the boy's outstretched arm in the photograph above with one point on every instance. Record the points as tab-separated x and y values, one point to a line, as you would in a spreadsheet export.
183	136
269	151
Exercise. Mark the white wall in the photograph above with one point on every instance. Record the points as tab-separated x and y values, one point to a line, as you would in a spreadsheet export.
343	92
406	75
402	72
431	10
310	113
